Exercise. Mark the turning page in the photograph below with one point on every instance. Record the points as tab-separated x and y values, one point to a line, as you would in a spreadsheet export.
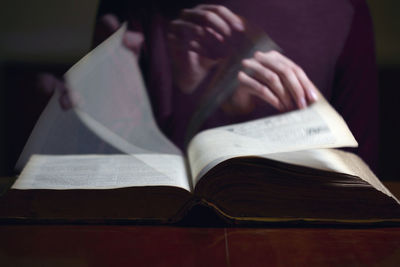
111	115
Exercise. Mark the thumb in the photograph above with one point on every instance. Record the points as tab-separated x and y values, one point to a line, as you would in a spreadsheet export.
46	83
105	26
133	41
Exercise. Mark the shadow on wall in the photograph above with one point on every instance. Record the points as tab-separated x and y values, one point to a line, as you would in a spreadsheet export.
387	35
389	167
46	31
35	36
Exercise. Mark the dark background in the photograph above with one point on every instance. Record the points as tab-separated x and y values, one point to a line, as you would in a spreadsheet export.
46	35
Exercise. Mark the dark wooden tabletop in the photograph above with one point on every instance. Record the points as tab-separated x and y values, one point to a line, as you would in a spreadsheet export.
88	245
124	245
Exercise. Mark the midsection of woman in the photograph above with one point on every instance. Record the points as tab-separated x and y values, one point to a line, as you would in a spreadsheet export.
331	41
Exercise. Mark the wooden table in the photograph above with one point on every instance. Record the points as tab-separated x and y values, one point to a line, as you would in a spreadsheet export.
123	245
72	245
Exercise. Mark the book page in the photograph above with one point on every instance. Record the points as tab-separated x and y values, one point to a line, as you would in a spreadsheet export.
112	95
332	160
112	113
224	81
318	126
102	172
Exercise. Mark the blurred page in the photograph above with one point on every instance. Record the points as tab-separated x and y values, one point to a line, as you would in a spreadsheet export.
113	113
111	93
224	81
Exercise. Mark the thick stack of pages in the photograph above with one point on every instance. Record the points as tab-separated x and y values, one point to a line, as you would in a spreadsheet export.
106	161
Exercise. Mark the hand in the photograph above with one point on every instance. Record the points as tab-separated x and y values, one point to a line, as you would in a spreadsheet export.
108	24
275	79
208	30
199	39
47	83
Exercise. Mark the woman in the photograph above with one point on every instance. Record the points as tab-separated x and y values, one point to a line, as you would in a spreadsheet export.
324	43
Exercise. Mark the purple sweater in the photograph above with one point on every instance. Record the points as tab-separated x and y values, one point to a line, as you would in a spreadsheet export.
332	40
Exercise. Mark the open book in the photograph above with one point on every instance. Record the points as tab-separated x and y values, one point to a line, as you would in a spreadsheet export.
105	160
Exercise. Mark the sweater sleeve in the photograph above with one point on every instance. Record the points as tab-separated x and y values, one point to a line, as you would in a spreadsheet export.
355	94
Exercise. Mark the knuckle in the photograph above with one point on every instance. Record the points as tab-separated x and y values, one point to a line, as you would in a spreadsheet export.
208	15
298	93
246	62
286	72
283	70
297	69
241	77
272	78
260	88
265	74
259	55
220	8
265	93
273	53
199	30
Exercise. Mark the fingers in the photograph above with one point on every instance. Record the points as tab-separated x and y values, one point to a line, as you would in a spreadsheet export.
105	26
207	18
186	30
256	88
216	17
271	79
110	23
309	87
211	27
190	36
287	82
48	84
133	41
234	20
292	77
